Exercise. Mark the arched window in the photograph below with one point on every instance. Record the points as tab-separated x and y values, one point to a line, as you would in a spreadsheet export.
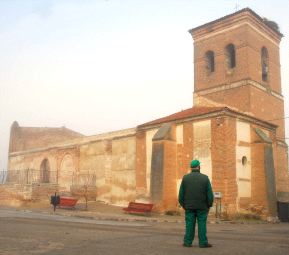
231	55
44	171
264	64
210	61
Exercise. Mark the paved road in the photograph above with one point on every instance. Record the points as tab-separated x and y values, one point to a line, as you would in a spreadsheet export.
34	233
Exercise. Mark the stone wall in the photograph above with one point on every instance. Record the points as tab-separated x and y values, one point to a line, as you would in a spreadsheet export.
27	192
108	158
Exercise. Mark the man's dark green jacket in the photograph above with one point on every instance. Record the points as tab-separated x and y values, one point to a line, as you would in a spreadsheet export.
196	191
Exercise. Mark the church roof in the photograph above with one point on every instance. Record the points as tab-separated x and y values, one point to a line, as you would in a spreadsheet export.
191	112
201	111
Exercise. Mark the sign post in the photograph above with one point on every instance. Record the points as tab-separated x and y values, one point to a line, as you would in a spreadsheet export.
218	199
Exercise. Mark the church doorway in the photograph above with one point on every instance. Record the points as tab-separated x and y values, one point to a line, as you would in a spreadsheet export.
44	171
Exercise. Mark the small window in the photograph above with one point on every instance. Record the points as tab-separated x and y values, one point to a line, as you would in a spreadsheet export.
210	61
231	55
264	64
244	160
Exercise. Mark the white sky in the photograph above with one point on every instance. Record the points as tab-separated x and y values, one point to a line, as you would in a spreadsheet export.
101	65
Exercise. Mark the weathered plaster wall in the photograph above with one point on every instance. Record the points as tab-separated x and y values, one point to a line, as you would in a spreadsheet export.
32	160
123	181
110	158
202	146
149	136
66	171
113	161
179	152
243	159
95	158
141	161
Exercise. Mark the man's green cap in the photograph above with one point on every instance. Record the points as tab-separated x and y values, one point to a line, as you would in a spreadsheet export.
195	163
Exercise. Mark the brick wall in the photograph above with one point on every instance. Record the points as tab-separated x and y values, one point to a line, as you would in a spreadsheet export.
221	75
170	174
259	193
218	149
224	160
255	42
248	34
282	173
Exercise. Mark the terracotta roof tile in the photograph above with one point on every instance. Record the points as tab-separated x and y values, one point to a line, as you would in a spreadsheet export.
191	112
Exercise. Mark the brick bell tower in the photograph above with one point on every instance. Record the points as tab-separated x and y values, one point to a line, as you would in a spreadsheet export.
236	61
237	64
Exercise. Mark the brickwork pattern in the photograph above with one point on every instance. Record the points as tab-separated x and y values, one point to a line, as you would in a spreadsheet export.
224	160
259	195
170	174
282	173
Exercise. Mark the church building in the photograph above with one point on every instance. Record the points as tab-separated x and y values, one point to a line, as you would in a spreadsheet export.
235	128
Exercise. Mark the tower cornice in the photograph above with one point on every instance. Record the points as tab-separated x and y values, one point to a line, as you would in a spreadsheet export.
243	17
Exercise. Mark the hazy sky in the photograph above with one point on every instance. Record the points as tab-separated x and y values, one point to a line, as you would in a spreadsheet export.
101	65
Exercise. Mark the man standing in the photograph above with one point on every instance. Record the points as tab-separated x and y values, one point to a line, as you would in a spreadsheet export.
196	197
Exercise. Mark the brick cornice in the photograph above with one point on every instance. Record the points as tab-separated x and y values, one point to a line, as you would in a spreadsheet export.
237	84
244	16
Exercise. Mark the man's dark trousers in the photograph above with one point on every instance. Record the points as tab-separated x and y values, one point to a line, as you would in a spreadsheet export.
191	216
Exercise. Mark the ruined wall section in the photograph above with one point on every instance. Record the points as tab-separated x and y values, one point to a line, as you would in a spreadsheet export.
32	160
27	138
109	158
62	164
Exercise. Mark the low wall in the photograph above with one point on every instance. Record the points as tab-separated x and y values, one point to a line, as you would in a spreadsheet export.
26	192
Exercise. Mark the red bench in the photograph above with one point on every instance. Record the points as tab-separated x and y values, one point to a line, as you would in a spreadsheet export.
138	208
68	201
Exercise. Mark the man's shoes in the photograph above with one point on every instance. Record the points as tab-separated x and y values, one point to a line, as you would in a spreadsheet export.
208	245
187	245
